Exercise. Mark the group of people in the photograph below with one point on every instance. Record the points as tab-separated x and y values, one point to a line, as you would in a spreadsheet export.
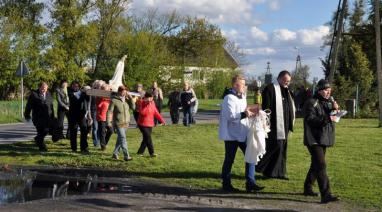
278	100
101	115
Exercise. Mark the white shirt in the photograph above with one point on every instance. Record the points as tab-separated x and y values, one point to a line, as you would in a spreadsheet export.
231	126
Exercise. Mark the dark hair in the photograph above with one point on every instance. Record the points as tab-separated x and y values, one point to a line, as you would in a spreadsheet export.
283	73
148	95
121	88
76	82
63	81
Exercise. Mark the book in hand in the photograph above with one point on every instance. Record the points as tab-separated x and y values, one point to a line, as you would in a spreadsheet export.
338	114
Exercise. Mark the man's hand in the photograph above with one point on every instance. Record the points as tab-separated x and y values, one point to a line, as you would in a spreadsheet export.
333	118
248	113
336	106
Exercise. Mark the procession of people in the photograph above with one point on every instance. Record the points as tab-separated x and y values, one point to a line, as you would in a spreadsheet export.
102	116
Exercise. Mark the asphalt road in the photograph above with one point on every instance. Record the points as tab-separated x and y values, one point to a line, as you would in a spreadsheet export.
21	132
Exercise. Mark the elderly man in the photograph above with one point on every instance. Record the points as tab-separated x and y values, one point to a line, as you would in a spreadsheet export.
279	100
233	130
40	103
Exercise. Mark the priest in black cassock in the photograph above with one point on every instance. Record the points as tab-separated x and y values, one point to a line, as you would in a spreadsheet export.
279	100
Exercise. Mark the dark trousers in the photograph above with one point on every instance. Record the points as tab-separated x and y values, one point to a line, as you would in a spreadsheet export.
136	116
158	105
187	116
74	123
174	113
230	153
273	163
39	139
146	140
317	170
104	133
60	117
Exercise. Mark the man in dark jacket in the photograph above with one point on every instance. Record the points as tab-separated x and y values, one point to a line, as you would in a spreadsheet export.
279	100
62	106
40	103
174	104
319	134
79	114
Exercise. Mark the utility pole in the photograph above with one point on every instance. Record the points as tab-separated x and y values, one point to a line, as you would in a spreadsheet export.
378	51
337	34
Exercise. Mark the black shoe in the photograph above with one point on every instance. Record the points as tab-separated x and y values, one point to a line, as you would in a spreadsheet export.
329	198
253	187
85	152
127	158
310	193
282	178
43	149
230	188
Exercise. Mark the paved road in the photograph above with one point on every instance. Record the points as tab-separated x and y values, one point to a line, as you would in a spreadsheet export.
12	133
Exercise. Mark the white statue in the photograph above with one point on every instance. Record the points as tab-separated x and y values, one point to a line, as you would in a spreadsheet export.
116	81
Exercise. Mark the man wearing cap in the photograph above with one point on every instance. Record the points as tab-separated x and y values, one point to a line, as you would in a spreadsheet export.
318	135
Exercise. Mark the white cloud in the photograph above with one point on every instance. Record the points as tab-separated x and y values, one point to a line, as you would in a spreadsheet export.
274	5
260	51
231	34
284	35
313	36
218	11
258	35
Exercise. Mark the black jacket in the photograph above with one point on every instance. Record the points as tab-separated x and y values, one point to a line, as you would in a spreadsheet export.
318	128
78	107
42	109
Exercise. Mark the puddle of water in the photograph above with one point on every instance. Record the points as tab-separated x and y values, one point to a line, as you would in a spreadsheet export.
19	186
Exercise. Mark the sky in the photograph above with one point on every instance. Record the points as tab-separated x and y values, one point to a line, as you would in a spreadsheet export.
266	30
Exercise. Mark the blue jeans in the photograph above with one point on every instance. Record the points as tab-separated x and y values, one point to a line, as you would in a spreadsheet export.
121	142
187	116
95	130
230	153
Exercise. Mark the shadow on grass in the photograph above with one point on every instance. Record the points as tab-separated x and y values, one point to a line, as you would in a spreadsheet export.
103	203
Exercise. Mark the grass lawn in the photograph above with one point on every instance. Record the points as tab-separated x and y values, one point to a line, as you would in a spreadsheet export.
10	111
193	157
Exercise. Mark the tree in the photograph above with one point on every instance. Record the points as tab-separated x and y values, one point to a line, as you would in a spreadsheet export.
300	77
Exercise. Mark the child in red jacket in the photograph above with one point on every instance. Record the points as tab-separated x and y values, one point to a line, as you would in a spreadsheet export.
147	113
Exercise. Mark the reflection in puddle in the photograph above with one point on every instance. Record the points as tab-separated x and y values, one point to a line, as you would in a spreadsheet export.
14	185
21	186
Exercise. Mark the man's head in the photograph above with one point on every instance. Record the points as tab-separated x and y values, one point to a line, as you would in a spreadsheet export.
139	87
122	91
238	83
43	87
324	89
284	78
64	83
75	86
148	97
186	86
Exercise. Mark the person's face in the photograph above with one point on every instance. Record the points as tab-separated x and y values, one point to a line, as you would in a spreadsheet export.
186	86
285	80
155	85
148	99
64	85
44	88
123	93
239	86
139	88
75	87
325	93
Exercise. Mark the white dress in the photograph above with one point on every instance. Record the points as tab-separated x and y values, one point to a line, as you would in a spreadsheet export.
258	129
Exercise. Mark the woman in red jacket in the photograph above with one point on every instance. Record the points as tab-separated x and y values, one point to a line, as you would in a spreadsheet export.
147	113
102	104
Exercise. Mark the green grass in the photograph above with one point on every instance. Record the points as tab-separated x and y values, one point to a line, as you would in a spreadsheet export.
10	111
193	157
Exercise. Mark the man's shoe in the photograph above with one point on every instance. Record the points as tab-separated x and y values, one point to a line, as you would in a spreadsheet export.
329	198
310	193
153	155
282	178
114	157
43	149
103	148
253	187
127	158
85	152
230	188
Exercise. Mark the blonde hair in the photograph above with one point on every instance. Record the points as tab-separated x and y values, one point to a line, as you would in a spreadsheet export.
237	77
